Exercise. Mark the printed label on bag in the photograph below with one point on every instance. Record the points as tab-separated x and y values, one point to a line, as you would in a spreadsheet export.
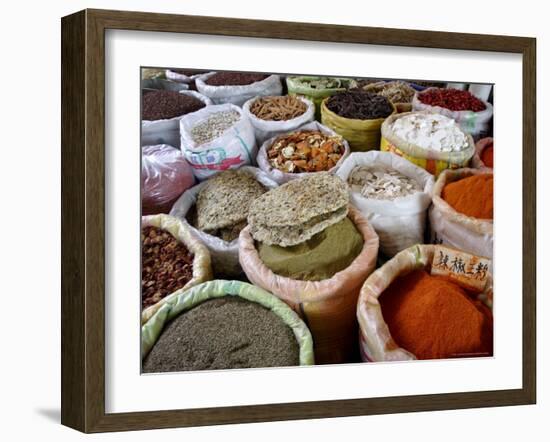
467	270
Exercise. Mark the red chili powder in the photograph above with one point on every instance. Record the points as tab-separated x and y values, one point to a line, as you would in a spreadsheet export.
472	196
434	318
487	156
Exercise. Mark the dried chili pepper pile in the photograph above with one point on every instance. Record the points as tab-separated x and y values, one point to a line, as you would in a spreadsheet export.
234	78
452	99
166	265
305	151
360	105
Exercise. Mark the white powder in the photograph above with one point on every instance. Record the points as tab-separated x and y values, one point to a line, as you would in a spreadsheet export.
431	131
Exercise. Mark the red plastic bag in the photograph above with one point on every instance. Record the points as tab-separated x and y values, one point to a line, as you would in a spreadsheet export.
165	175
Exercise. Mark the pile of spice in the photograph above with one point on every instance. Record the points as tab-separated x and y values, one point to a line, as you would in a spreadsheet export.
395	91
472	196
320	257
430	131
163	105
214	126
305	151
223	333
189	72
302	230
166	265
234	78
487	155
299	209
452	99
377	182
223	203
434	318
321	82
278	108
359	105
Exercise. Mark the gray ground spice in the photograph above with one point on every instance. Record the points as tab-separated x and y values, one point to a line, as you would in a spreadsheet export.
223	333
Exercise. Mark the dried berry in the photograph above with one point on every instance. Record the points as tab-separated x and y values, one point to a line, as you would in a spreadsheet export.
167	265
360	105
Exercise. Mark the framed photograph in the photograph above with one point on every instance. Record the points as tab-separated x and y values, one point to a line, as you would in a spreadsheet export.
321	223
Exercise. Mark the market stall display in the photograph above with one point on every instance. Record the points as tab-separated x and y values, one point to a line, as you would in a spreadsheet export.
308	226
237	87
310	148
225	200
221	325
406	310
165	175
161	113
173	260
217	138
392	193
357	116
472	114
307	214
462	212
431	141
274	115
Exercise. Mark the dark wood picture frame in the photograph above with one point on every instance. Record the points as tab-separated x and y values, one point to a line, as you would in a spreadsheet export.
83	216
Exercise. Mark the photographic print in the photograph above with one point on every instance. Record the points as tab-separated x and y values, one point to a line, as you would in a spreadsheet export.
293	220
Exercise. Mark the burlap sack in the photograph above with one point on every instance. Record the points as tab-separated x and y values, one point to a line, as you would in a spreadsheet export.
400	222
202	270
477	163
184	301
434	162
449	227
375	339
327	307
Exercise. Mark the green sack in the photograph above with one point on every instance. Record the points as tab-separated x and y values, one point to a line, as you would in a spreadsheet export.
318	258
303	86
152	329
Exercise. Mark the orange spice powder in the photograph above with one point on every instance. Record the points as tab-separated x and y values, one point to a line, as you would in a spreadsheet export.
434	318
472	196
487	156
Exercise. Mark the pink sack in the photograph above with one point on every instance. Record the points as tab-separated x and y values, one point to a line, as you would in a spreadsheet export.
328	307
165	175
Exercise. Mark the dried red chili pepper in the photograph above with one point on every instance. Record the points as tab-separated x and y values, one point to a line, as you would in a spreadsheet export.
452	99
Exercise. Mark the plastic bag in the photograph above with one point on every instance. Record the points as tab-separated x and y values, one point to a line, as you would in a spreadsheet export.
282	177
327	306
434	162
477	162
165	175
449	227
296	86
473	123
152	329
375	339
166	131
234	148
238	94
362	135
202	269
225	254
400	222
267	129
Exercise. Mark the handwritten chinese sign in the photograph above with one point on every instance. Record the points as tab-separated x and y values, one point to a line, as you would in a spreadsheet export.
469	271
